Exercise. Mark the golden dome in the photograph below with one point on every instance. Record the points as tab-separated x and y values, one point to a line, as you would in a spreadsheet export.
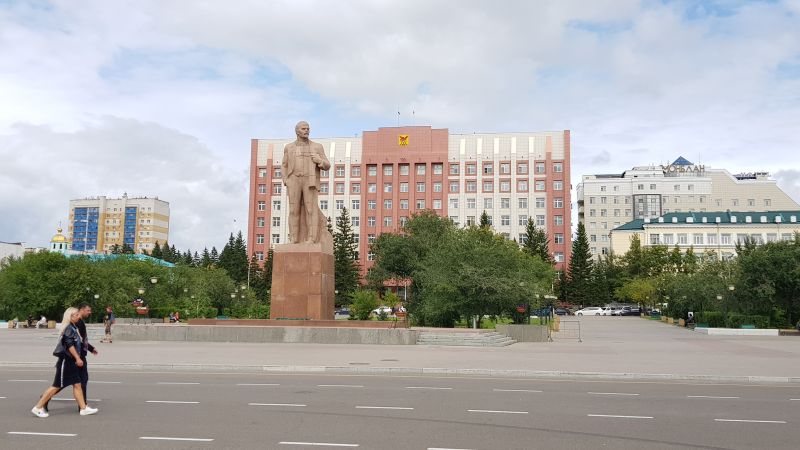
59	237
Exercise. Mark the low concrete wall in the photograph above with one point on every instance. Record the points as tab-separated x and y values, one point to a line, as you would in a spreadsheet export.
736	331
303	323
524	333
307	335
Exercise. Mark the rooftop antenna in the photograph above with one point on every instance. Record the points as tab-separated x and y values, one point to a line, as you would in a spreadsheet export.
398	116
413	118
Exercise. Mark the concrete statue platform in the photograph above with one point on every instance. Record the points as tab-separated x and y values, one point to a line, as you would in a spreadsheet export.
303	282
302	323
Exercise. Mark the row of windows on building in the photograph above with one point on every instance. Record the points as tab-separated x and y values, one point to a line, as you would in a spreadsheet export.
751	202
652	186
276	239
470	168
715	239
454	203
505	220
436	186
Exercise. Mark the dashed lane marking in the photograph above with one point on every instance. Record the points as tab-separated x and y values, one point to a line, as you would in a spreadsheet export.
29	381
299	405
317	444
612	393
709	396
614	416
496	412
384	407
172	402
749	421
515	390
341	385
31	433
163	438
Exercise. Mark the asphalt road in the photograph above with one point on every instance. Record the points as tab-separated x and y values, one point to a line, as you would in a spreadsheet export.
203	410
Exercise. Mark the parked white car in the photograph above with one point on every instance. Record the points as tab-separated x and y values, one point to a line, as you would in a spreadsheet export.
590	311
380	309
608	311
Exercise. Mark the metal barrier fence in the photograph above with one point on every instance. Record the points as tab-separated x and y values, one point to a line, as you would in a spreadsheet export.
567	329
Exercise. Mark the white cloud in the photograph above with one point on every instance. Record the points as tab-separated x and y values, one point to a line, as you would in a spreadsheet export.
636	82
43	169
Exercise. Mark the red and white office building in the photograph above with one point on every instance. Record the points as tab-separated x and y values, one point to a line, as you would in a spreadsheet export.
385	176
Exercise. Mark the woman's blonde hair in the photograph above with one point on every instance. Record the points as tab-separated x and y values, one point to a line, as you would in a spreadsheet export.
67	319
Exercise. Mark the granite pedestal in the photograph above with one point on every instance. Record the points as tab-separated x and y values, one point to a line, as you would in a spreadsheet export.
302	282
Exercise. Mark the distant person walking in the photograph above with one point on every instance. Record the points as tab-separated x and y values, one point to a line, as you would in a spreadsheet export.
68	367
108	320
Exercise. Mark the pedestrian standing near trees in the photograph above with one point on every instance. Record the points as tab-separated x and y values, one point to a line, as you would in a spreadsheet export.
108	320
68	368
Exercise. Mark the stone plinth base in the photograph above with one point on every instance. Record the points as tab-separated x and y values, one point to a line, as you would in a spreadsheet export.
302	282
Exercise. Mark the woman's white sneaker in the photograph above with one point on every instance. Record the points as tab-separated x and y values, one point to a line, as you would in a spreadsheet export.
88	411
39	412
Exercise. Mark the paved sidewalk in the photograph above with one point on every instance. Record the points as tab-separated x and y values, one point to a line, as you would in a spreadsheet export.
612	348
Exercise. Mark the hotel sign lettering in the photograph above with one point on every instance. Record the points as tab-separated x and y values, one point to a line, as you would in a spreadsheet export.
689	168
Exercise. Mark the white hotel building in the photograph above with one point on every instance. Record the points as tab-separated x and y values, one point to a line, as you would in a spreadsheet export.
608	201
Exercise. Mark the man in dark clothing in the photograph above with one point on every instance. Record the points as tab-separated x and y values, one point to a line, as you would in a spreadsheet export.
85	311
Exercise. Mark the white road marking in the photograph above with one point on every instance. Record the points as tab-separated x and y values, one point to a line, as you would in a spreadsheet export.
749	421
169	382
29	381
318	444
383	407
257	384
496	412
300	405
2	397
795	399
611	393
707	396
619	417
445	448
341	385
515	390
172	402
31	433
430	387
157	438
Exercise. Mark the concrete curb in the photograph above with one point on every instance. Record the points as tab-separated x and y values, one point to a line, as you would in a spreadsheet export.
360	370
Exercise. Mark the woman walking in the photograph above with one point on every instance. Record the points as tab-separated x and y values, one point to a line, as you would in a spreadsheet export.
67	367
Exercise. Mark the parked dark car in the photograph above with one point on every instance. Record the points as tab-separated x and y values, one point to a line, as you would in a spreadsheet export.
342	312
625	311
562	312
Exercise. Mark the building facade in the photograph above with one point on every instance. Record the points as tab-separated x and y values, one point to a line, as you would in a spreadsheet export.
97	224
704	232
389	174
608	201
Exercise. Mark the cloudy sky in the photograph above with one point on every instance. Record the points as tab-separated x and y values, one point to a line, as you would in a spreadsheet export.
161	98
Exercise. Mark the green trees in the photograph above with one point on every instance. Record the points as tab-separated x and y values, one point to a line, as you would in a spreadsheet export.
347	273
485	222
233	258
536	242
580	269
770	280
458	273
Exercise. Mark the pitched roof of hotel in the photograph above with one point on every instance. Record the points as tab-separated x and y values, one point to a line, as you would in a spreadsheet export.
713	218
